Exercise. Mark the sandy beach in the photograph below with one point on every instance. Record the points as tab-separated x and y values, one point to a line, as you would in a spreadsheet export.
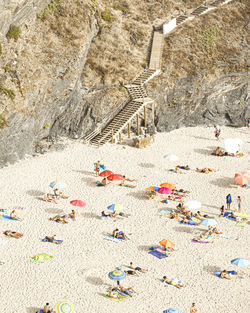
79	269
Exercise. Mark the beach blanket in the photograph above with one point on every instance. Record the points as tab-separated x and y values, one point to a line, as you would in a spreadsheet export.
165	212
203	240
116	300
40	258
227	213
226	236
7	217
99	184
57	242
112	238
158	254
124	294
129	186
217	273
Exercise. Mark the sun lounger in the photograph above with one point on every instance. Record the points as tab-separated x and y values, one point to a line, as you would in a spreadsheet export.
217	273
57	242
116	300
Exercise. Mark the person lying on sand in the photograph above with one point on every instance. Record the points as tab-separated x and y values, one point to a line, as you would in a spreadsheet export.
127	179
206	170
52	239
137	268
13	234
132	272
152	195
214	230
186	220
119	234
120	214
173	215
181	190
58	194
172	282
127	291
126	185
59	219
107	215
14	217
224	274
48	198
114	294
103	183
182	167
219	152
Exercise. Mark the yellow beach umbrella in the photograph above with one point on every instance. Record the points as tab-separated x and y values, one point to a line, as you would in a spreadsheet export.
65	307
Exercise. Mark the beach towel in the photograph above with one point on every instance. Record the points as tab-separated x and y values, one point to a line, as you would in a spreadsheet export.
227	213
40	258
226	236
165	212
240	224
158	254
112	238
129	186
7	217
203	241
190	223
116	300
217	273
16	208
52	241
124	294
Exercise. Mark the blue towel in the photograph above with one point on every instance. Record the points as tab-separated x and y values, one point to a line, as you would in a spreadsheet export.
158	254
124	294
52	241
191	223
111	238
7	217
165	212
229	217
217	273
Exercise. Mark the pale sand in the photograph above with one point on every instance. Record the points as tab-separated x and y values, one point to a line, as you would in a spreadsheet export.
79	270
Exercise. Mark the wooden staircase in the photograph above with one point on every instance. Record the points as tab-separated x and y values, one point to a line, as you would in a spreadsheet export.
125	111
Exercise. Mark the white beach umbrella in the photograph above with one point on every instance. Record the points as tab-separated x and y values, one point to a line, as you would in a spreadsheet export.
232	144
171	157
192	204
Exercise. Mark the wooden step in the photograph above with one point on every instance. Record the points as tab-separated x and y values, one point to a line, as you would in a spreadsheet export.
180	19
199	10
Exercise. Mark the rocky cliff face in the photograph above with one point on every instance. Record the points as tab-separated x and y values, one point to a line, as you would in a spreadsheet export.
63	63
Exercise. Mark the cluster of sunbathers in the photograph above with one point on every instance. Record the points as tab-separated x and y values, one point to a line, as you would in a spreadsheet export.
54	197
219	152
114	214
63	219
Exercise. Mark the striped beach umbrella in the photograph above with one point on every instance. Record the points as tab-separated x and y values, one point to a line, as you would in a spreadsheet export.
57	184
166	243
115	207
164	191
152	188
117	275
240	262
242	178
64	307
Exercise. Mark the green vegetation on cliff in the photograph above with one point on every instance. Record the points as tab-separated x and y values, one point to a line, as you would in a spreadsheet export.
8	92
51	8
3	122
14	32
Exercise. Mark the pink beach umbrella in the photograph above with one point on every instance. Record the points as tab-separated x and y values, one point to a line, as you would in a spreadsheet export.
79	203
242	178
164	191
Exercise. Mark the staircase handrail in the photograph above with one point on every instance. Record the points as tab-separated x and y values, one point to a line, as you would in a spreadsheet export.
119	105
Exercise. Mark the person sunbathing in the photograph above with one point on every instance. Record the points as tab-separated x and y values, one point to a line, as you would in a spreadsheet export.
206	170
113	294
173	215
130	272
224	274
182	167
127	291
107	215
14	217
59	219
232	215
219	152
122	214
13	234
127	179
119	234
152	195
222	211
137	268
73	215
58	194
216	231
52	239
126	185
172	282
47	309
48	198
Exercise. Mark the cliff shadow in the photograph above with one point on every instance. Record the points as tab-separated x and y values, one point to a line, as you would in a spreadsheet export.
223	182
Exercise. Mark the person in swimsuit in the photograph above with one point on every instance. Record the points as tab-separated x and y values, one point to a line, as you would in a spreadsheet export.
52	239
193	308
224	274
13	234
127	291
113	294
172	282
14	217
47	309
222	211
137	268
130	272
73	215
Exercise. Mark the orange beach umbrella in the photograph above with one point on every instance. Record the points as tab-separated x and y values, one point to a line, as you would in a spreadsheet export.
168	185
242	178
166	243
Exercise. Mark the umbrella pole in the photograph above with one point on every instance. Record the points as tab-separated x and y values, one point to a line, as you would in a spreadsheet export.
118	283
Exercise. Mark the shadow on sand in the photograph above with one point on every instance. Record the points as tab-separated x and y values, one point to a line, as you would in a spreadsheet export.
96	281
141	195
144	248
184	229
33	310
223	182
146	165
90	215
35	193
211	269
54	211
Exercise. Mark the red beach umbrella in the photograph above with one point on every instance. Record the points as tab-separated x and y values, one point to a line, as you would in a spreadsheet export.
79	203
242	178
115	177
164	191
106	173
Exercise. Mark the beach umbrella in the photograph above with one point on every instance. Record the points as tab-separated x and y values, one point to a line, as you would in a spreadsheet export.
242	178
115	207
192	204
164	191
208	222
57	184
106	173
64	307
168	185
79	203
113	177
232	144
171	157
166	243
240	262
117	275
172	311
153	188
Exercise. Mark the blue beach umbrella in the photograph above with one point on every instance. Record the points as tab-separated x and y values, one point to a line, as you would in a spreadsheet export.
208	222
57	184
172	311
115	207
117	275
240	262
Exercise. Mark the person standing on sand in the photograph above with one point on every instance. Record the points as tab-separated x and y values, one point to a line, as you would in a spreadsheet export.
97	164
193	308
217	132
239	203
248	123
228	201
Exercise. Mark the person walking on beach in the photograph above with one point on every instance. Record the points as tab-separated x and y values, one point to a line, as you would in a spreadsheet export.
217	132
97	164
248	122
239	203
193	308
228	201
